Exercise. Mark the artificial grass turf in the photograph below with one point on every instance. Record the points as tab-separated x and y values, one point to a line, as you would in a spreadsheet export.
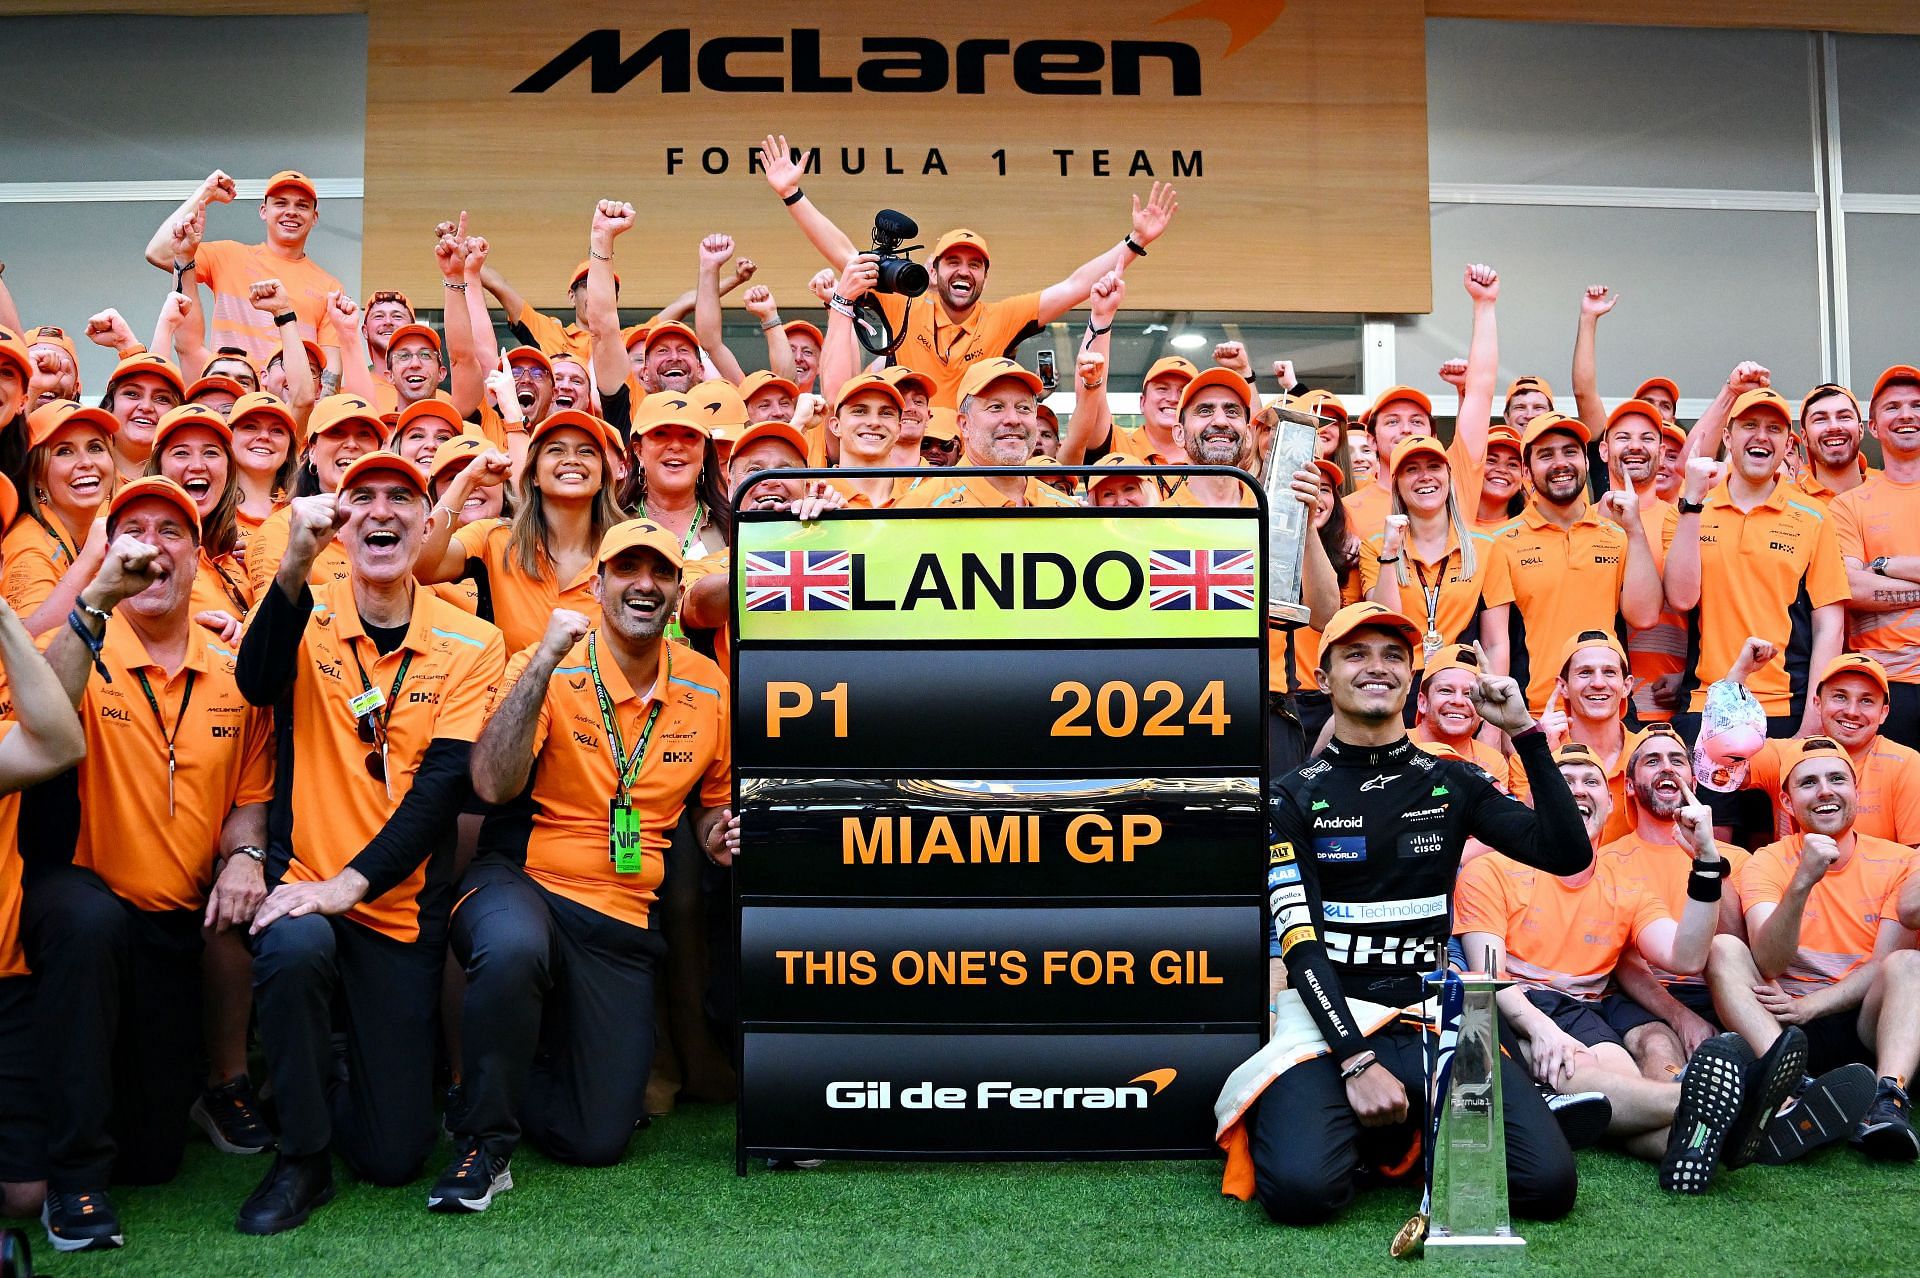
675	1206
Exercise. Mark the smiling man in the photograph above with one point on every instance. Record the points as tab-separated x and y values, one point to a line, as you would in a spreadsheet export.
866	419
998	425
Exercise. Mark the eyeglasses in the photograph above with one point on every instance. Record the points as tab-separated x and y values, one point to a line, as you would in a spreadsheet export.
529	373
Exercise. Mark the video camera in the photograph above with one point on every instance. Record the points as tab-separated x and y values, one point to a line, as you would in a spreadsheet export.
898	273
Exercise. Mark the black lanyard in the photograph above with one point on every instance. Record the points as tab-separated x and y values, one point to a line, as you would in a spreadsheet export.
1432	594
186	697
625	767
375	716
228	585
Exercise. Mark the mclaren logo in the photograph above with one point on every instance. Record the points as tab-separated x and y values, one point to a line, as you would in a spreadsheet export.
1135	1093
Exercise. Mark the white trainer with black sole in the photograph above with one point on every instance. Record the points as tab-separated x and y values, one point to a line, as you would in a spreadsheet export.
471	1181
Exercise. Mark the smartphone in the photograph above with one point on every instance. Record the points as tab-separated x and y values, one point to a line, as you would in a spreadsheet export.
1049	373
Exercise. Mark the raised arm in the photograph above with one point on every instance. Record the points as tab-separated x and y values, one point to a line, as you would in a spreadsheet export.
759	303
715	250
503	756
1594	303
450	255
47	739
1091	425
1641	591
177	331
486	347
1775	929
217	188
1150	221
356	376
1550	835
839	348
1682	948
682	306
1682	583
611	219
783	175
1710	432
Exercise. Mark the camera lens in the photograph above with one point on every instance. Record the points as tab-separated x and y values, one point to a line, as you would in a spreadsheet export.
903	276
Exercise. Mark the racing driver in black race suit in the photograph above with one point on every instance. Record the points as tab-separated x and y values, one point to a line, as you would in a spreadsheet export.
1375	826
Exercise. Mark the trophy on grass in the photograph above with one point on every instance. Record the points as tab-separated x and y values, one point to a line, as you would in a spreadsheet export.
1296	437
1465	1202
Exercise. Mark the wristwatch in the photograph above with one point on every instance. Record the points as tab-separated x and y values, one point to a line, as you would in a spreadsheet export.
1879	564
1691	507
257	855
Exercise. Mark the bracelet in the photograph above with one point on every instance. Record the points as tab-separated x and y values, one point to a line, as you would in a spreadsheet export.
449	284
768	326
101	614
599	257
1093	386
797	196
842	305
1136	249
181	268
94	643
1389	559
1096	332
1362	1063
285	318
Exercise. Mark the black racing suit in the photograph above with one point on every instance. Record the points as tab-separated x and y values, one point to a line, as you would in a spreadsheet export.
1366	844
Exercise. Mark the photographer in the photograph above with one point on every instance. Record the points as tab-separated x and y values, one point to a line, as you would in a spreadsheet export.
950	326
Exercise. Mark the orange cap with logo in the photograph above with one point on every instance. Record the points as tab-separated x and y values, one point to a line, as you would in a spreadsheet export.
637	534
804	329
657	331
1170	366
1331	473
216	382
438	409
782	431
1321	403
1898	373
383	462
272	406
869	383
54	416
1367	614
667	408
1503	434
154	365
1857	663
576	419
956	237
943	423
1761	399
1395	394
906	378
155	486
295	179
1793	753
1666	384
579	277
1217	376
1548	422
530	355
336	412
988	371
1635	408
1122	462
1529	382
406	331
756	382
455	453
1415	446
175	419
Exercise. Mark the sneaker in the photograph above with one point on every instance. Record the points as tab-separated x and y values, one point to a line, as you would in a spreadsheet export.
1771	1081
83	1221
1710	1095
470	1181
229	1115
1886	1132
795	1164
292	1190
1583	1116
1824	1110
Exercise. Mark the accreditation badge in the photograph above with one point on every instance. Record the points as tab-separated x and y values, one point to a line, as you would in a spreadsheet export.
623	836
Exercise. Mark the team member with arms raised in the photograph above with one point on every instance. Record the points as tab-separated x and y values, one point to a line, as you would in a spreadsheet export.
380	689
558	943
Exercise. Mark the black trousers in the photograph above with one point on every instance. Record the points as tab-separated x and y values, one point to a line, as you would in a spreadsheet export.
379	1118
1310	1153
23	1127
1903	715
117	1025
557	1027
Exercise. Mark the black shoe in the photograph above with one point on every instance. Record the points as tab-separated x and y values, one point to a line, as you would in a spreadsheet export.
1710	1093
229	1115
1824	1110
470	1181
292	1189
83	1221
1771	1080
1583	1117
1886	1132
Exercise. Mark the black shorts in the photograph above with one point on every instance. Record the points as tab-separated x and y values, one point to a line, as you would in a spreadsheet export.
1577	1017
1626	1015
23	1134
1833	1041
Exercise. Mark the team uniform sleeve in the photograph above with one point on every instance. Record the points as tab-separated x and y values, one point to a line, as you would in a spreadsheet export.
1293	899
1496	577
30	580
1550	835
1826	573
265	549
418	825
716	785
256	759
269	657
1842	514
470	695
1764	880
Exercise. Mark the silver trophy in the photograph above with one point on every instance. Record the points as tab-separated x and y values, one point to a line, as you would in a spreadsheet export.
1470	1156
1296	437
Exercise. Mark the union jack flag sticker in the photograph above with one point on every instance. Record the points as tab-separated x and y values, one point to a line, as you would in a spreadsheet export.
799	581
1201	579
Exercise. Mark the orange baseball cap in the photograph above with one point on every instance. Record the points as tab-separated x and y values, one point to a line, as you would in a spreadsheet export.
660	330
1215	376
639	534
1664	383
1673	431
632	334
942	423
721	402
1503	434
1529	382
1407	449
455	453
1546	423
988	371
877	383
579	276
530	355
1636	408
1330	472
379	462
601	432
1761	397
1394	394
667	408
1122	462
413	330
1860	664
14	351
265	402
956	237
217	382
1042	409
805	329
1652	732
192	415
1367	614
904	377
54	416
1321	403
1795	752
1455	656
782	431
763	380
1898	373
1170	366
316	358
338	411
1572	751
1590	639
434	407
42	335
155	365
1823	391
293	178
155	486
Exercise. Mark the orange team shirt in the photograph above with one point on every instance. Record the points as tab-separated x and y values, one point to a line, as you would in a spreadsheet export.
523	605
35	556
943	348
967	492
1661	649
1506	771
857	500
1558	582
221	585
1753	567
229	268
1660	870
1878	518
553	337
1136	442
223	752
1841	923
574	777
1367	509
386	398
706	565
338	806
1558	937
1184	496
247	525
1886	790
268	546
1812	485
1458	602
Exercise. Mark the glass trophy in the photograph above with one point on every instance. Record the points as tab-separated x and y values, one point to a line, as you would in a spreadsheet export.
1470	1157
1289	523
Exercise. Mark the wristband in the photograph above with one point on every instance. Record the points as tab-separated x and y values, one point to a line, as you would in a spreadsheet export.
285	318
842	305
253	853
1528	733
1389	559
181	268
1691	507
797	196
93	642
1096	332
1362	1063
769	325
1135	248
1705	881
1878	565
599	257
449	284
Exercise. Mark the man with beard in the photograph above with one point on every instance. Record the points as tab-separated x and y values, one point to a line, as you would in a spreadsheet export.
1591	683
1828	962
380	688
1755	558
1365	847
1877	527
1831	427
952	327
1560	568
997	425
558	943
1634	446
